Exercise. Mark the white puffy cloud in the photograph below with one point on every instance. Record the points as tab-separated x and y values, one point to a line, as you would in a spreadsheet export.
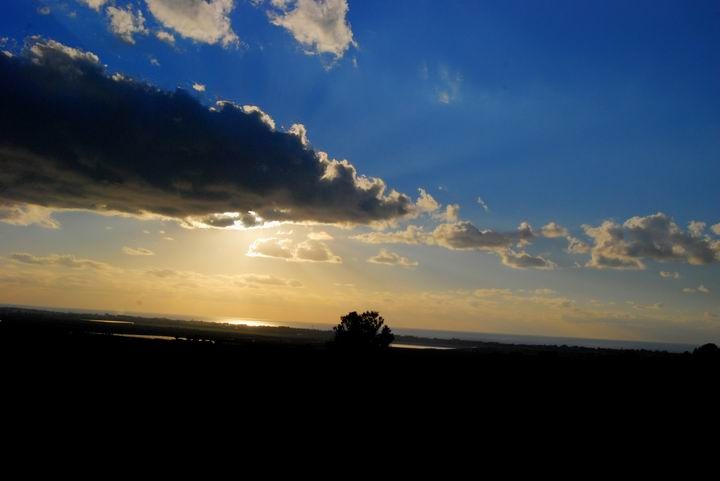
254	109
94	4
198	87
411	235
206	21
426	202
452	213
307	251
553	230
166	37
716	229
299	131
125	23
576	246
53	54
523	260
655	237
137	251
320	26
464	235
669	275
696	228
387	257
315	251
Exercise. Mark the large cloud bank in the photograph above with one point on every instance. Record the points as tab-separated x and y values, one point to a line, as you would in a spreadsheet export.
74	137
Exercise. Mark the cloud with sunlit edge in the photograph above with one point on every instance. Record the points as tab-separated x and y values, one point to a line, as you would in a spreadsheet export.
70	138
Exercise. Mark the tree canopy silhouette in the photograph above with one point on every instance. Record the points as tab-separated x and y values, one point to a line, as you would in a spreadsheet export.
707	351
366	331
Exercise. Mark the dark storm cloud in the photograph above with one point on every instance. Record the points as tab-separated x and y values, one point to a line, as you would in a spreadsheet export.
73	137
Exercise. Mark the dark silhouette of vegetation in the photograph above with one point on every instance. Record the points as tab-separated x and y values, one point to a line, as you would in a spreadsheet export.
366	331
707	351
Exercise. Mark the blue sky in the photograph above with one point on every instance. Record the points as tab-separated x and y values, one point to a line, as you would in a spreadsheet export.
574	112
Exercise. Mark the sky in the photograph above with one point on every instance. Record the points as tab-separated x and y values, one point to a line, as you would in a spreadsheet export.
521	167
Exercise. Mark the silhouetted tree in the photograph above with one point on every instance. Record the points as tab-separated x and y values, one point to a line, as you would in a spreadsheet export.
366	331
707	351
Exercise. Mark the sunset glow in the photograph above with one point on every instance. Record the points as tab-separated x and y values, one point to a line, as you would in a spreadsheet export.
486	166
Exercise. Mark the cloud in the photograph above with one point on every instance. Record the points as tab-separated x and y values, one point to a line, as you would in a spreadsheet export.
452	213
54	55
701	288
523	260
44	10
392	259
71	137
320	26
242	280
315	251
166	37
483	204
696	228
576	246
669	275
545	297
205	21
163	273
124	23
306	251
198	87
716	229
426	202
63	260
322	235
463	235
94	4
137	251
263	116
24	215
655	237
553	230
449	86
411	235
263	280
639	306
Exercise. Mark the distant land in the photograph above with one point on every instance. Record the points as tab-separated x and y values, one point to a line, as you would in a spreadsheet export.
151	324
90	359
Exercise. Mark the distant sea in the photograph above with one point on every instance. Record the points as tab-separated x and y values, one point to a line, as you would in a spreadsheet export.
426	333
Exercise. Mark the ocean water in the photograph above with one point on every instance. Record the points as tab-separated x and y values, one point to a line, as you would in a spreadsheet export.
426	333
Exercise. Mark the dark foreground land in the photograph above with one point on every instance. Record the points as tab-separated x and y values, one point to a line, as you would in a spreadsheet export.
183	374
67	377
95	348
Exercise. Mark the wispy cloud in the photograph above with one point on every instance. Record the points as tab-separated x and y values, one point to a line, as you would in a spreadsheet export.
386	257
137	251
